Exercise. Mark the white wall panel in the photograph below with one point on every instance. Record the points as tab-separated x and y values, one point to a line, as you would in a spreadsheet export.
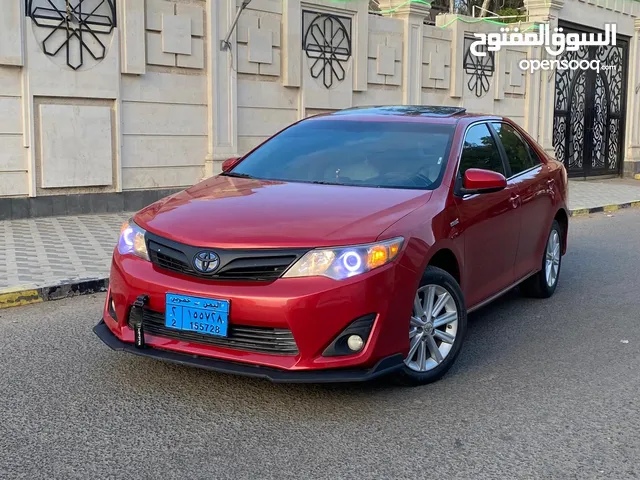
76	145
263	121
266	94
10	115
10	82
13	183
139	178
12	154
165	88
163	119
148	151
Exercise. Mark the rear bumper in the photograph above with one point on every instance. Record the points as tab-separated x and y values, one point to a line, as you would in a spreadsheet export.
335	375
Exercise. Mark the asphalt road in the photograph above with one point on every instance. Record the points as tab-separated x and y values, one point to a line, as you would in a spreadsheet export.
543	389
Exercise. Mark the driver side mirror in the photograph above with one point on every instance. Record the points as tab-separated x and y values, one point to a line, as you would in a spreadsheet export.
478	181
229	163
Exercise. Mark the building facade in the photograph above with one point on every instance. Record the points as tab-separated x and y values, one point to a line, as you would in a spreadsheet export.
110	104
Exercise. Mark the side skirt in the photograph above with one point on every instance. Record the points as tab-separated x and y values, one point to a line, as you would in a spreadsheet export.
500	293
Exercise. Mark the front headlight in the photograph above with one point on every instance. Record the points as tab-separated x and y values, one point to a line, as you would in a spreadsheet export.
132	240
345	262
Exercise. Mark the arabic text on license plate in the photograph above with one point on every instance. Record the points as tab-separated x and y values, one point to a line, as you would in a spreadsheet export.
195	314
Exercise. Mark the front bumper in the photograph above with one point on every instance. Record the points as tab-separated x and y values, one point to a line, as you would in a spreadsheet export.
314	310
383	367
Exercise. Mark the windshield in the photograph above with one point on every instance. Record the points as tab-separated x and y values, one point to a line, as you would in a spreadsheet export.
362	153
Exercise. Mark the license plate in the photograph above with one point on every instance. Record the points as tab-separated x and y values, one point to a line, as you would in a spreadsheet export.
208	316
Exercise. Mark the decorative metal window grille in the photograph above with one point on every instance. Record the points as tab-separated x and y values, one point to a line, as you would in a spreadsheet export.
479	69
327	41
80	27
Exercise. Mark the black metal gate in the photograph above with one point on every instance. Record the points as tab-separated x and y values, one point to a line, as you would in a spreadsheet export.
589	116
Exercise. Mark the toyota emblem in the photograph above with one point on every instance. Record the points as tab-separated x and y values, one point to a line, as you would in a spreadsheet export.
206	261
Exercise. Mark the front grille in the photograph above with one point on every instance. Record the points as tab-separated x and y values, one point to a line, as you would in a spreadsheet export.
277	341
248	265
170	263
266	268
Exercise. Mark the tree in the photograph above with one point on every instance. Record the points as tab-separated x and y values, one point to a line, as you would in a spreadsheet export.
465	7
485	8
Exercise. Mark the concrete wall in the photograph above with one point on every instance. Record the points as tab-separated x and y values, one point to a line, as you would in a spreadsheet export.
133	118
13	167
165	105
164	129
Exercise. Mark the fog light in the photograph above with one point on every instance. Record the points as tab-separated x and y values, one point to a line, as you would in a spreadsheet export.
352	339
355	343
112	309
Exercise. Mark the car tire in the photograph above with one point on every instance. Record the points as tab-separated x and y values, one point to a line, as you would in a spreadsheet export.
440	282
542	285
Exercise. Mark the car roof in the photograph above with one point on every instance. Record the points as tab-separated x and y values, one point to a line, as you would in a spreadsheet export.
409	113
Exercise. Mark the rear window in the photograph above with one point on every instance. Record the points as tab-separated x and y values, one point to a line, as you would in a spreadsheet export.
359	153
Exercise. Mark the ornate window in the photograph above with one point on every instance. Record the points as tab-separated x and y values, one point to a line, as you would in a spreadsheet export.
327	42
479	69
79	28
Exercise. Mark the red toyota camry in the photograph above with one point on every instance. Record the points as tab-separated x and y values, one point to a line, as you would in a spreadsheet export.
348	246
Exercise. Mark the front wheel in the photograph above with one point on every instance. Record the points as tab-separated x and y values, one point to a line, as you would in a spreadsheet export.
436	330
544	283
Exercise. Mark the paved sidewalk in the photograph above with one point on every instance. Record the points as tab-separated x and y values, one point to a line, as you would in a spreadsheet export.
39	255
51	251
591	194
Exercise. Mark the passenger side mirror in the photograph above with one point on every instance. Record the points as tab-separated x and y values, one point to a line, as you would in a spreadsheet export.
477	181
229	163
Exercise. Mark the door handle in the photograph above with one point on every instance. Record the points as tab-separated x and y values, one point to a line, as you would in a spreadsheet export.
515	200
550	190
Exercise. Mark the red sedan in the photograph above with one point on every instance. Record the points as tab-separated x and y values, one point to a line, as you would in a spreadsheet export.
348	246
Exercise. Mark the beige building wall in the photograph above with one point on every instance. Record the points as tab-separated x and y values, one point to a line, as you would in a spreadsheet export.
164	96
164	129
133	118
165	103
13	168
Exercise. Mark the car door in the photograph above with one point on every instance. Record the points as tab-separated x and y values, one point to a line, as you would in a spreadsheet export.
490	222
528	177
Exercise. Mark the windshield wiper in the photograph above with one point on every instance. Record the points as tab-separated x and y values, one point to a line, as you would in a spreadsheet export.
236	175
338	184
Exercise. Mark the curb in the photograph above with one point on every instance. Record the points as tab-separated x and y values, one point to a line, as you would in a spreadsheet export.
580	212
18	296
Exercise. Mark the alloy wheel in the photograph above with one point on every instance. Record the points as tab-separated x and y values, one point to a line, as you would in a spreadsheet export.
433	328
552	258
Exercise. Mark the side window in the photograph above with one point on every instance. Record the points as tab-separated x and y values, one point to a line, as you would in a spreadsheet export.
480	151
515	147
535	158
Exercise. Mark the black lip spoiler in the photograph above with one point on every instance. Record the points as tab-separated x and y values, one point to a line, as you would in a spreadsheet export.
383	367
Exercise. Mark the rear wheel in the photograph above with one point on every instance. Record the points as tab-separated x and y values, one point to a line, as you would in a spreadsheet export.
436	330
544	283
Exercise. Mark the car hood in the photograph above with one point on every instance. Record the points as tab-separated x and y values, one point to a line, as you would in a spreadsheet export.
229	212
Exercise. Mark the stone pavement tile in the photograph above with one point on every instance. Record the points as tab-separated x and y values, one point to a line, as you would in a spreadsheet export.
47	251
600	193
